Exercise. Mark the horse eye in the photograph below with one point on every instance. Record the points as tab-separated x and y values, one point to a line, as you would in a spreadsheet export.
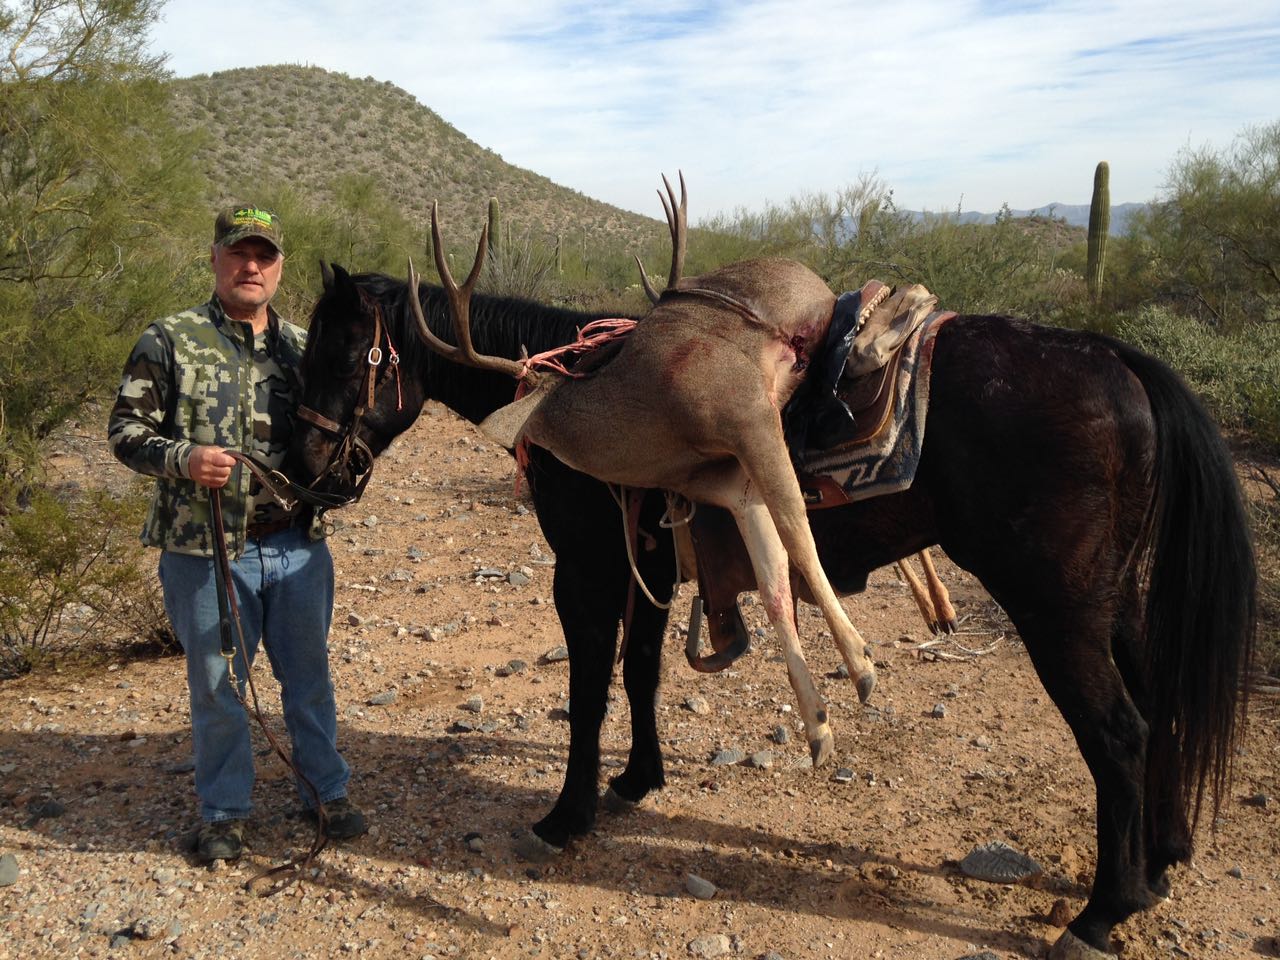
344	368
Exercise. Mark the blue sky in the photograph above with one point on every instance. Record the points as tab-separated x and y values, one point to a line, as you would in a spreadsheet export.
969	103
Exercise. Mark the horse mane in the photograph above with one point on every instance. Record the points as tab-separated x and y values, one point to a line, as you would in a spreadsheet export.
500	326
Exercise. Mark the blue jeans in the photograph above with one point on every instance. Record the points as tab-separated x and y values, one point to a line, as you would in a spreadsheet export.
284	589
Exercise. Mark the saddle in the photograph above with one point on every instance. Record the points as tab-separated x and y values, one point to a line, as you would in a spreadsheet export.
858	410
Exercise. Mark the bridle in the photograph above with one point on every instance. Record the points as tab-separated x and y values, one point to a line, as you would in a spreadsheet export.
352	456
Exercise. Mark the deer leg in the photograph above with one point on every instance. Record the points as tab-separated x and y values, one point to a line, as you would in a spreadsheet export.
769	561
770	472
921	596
946	613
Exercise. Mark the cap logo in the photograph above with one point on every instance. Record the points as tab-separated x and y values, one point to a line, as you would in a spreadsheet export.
250	215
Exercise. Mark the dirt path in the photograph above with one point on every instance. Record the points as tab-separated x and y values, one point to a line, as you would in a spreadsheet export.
805	864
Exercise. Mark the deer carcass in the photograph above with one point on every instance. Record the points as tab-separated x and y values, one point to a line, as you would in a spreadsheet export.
692	403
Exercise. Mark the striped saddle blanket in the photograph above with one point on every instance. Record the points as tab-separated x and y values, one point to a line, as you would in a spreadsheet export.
856	427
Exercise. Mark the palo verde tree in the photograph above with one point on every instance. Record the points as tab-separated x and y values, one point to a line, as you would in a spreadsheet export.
95	184
1215	242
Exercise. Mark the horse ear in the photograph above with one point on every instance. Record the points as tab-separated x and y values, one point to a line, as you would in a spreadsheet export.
326	276
343	289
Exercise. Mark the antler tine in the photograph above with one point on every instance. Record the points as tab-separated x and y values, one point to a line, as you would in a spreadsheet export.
459	307
677	224
678	221
446	350
649	291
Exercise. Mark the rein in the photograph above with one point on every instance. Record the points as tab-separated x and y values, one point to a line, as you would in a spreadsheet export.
229	617
285	492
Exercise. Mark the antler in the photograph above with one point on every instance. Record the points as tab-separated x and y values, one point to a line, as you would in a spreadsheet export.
678	223
459	308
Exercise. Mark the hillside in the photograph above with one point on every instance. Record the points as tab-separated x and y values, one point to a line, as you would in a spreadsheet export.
310	126
1072	214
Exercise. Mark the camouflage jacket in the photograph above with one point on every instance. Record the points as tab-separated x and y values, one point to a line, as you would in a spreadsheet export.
199	377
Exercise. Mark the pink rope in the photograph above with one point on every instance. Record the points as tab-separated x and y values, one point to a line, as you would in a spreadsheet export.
593	336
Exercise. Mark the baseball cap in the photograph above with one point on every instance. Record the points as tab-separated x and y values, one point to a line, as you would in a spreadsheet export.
236	223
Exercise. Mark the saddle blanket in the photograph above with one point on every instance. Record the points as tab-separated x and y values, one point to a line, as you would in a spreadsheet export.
885	462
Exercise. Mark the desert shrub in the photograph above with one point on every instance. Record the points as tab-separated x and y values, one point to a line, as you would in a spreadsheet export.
73	582
1214	243
1265	516
1237	374
519	268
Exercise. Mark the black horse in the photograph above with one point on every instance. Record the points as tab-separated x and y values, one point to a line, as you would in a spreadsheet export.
1078	479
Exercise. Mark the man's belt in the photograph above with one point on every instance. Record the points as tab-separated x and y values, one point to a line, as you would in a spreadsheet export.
257	531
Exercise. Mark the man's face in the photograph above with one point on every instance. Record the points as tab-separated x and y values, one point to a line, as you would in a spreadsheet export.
246	275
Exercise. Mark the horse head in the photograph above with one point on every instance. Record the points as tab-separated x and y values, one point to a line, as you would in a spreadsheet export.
354	399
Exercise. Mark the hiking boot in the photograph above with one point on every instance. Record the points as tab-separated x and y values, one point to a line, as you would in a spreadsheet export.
220	840
343	819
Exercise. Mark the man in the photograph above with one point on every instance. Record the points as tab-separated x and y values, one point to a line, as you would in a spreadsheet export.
224	376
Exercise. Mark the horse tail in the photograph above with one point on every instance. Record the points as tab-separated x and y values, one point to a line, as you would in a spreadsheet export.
1200	612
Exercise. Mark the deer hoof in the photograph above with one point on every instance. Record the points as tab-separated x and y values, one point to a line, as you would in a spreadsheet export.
822	748
1071	947
534	849
866	683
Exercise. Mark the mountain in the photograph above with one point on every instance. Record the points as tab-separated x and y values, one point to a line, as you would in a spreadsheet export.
1074	214
307	126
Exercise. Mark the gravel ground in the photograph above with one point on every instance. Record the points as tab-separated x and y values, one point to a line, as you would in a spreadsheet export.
452	700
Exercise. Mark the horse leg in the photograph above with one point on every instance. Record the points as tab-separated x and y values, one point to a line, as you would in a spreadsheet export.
1089	691
945	612
1168	832
641	670
589	610
918	593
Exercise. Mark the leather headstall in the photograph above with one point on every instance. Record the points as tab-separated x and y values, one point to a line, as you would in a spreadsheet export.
352	456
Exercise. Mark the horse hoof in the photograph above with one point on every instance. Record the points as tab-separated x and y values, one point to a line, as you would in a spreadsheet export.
822	748
866	683
1071	947
534	849
614	802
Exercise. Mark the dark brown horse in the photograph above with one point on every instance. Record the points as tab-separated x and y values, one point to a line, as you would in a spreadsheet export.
1077	478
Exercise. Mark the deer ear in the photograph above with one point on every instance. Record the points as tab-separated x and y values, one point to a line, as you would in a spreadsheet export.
326	276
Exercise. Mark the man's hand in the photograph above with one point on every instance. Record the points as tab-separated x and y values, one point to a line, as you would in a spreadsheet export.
210	466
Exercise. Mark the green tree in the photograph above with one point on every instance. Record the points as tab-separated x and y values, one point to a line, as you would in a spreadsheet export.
1215	242
95	183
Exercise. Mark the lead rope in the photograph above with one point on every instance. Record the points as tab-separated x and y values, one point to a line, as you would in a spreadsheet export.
229	616
667	522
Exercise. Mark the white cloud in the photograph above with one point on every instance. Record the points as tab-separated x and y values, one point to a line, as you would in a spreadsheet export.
995	101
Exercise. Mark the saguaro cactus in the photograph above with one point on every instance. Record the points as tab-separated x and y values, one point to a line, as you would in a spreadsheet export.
1099	225
495	221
